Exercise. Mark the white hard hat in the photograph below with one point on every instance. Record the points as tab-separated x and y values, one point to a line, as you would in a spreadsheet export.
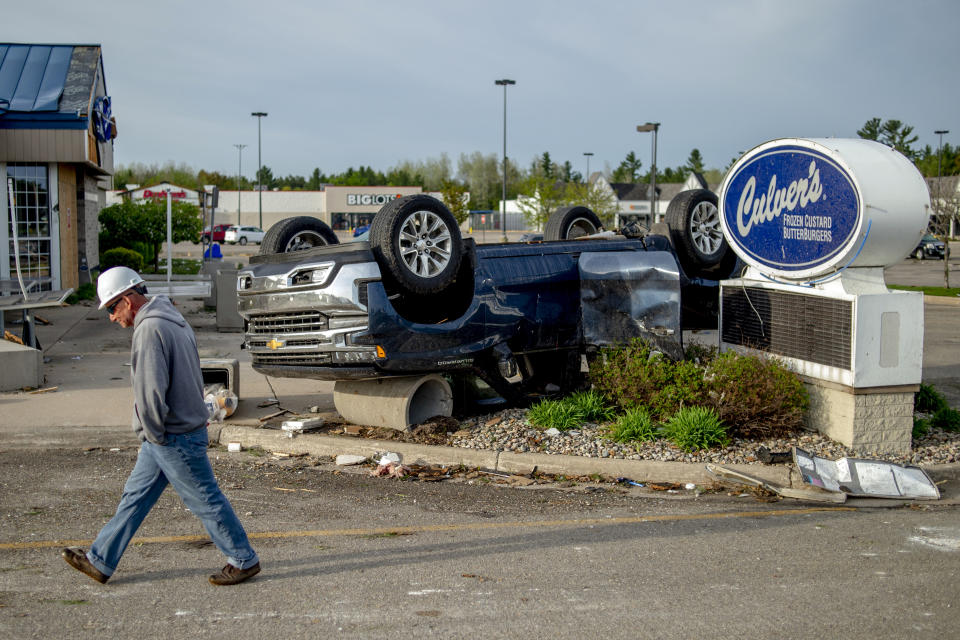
115	281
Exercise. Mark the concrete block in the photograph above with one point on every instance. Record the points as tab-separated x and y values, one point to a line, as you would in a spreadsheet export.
20	366
223	370
869	421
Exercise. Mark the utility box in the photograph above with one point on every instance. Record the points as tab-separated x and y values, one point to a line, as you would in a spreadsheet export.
228	317
817	221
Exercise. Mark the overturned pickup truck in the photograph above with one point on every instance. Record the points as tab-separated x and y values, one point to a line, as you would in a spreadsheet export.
415	298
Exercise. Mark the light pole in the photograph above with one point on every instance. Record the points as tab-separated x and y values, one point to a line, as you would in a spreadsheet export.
503	207
239	173
588	154
949	229
259	115
940	133
652	126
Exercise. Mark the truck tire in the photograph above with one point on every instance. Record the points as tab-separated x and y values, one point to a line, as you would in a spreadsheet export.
569	223
694	221
296	234
417	243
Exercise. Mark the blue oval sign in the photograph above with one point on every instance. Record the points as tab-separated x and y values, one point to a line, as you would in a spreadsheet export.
791	208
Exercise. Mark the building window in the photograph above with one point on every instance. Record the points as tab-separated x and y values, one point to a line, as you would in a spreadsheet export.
28	184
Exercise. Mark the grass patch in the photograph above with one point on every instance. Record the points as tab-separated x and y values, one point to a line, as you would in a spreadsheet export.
696	428
635	425
86	291
592	406
952	292
556	414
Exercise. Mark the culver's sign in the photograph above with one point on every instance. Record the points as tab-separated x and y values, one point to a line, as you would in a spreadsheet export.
790	208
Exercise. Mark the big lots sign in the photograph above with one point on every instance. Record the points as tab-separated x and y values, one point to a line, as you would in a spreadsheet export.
148	193
790	208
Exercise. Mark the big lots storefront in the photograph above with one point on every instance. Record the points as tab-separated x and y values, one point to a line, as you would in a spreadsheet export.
341	207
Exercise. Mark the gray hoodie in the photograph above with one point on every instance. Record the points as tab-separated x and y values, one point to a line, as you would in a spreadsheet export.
167	383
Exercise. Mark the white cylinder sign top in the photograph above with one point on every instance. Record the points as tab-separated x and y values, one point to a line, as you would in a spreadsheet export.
799	208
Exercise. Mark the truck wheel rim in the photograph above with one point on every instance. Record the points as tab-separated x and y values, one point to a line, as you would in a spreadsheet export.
425	243
579	228
705	228
304	240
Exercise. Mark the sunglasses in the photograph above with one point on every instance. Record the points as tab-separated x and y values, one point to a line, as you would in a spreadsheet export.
113	306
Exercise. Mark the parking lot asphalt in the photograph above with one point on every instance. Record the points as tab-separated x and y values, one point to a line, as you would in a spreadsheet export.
86	397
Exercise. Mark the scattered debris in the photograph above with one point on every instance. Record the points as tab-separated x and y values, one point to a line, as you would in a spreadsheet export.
273	415
11	337
866	478
809	493
346	459
220	401
628	482
389	465
298	426
770	457
665	486
268	403
234	447
47	390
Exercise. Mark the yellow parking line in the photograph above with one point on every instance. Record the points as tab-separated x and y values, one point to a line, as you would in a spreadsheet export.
319	533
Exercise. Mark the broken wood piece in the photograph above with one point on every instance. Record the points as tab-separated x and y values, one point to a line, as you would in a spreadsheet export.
812	493
47	390
273	415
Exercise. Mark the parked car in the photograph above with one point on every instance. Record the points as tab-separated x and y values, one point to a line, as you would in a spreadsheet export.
929	247
414	298
243	235
218	232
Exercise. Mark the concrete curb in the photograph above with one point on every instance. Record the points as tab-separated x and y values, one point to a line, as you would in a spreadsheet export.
507	462
947	476
942	300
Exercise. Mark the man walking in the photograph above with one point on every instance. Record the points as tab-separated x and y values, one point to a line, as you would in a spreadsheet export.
170	418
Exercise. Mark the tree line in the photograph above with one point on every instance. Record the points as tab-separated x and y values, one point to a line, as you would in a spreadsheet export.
481	174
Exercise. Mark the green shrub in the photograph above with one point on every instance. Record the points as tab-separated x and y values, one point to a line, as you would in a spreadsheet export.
756	396
558	414
86	291
121	257
928	400
635	425
592	406
635	375
695	428
921	427
946	418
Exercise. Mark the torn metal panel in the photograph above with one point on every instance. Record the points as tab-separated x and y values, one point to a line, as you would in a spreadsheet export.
627	295
866	478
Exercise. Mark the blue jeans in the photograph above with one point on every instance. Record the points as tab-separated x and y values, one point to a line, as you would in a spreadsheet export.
183	463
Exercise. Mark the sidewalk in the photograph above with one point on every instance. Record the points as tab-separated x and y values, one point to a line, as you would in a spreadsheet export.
88	402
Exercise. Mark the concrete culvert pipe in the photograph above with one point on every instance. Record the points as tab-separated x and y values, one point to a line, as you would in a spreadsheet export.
394	403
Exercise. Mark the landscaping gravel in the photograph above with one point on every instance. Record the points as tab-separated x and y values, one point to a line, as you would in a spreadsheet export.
509	431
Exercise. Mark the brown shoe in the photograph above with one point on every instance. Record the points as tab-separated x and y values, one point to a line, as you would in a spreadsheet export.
231	575
77	558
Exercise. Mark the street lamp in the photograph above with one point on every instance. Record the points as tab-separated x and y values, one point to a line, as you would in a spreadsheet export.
239	173
652	126
588	154
949	230
259	115
503	207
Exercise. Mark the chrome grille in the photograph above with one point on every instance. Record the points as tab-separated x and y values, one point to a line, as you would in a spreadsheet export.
291	358
287	322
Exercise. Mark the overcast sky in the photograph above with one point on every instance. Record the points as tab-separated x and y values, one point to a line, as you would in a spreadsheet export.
375	83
